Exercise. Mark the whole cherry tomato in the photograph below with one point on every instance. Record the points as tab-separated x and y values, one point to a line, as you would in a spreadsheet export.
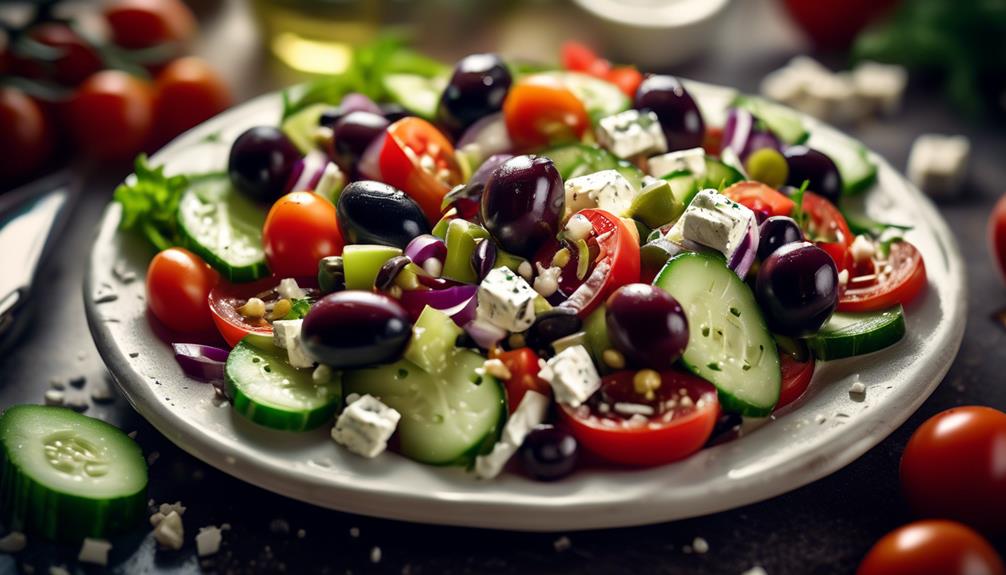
301	228
997	235
178	289
932	547
144	23
74	61
540	111
189	92
111	115
954	466
25	139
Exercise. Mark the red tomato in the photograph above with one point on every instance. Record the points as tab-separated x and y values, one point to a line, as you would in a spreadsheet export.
672	433
226	298
997	235
626	78
523	366
832	24
577	56
189	92
25	140
932	548
301	228
144	23
796	376
111	115
540	111
178	289
953	467
74	62
419	160
824	222
617	262
712	143
898	280
760	197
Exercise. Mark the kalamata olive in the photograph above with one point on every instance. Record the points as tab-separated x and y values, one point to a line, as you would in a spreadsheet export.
484	257
467	198
552	325
678	113
372	212
260	163
351	134
647	325
389	271
331	274
477	88
797	288
355	328
776	232
808	164
549	453
522	203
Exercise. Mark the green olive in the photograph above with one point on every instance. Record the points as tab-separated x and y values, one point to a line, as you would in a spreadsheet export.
767	166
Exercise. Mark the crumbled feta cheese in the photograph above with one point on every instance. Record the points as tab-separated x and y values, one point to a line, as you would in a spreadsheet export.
607	189
862	249
857	388
332	181
365	426
882	85
94	551
843	277
714	221
547	281
562	544
375	555
54	397
169	531
506	300
289	289
700	545
13	542
693	160
208	540
578	227
631	133
531	411
937	164
756	570
497	369
286	335
572	376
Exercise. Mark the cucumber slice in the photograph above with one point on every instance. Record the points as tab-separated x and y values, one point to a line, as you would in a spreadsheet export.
683	185
267	390
851	158
301	126
720	175
574	160
783	122
433	338
417	94
728	343
67	476
446	418
849	334
599	97
362	262
224	228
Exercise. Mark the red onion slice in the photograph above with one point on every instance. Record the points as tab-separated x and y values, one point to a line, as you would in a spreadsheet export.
486	137
424	247
370	162
203	362
485	334
459	302
743	257
741	134
307	172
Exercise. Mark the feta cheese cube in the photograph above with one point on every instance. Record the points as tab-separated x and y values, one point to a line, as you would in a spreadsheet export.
572	375
286	335
208	540
632	133
170	532
506	300
882	85
365	426
94	551
607	189
937	164
289	289
531	411
693	160
714	221
862	249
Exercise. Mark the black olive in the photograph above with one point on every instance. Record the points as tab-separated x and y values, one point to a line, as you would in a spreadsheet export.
372	212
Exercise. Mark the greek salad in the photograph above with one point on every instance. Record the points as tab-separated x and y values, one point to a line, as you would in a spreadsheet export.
499	262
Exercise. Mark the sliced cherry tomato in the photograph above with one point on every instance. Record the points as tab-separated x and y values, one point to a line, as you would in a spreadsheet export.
824	222
111	115
523	366
74	58
540	111
676	428
301	228
419	160
898	280
226	298
617	262
712	143
838	252
627	78
26	139
932	547
577	56
796	376
189	92
144	23
953	467
997	235
178	287
760	197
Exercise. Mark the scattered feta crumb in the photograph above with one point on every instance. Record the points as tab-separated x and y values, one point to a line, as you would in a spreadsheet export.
54	397
862	249
700	545
301	534
857	388
756	570
354	532
169	531
375	555
578	227
881	84
937	164
13	542
365	426
94	551
208	540
497	369
562	544
58	570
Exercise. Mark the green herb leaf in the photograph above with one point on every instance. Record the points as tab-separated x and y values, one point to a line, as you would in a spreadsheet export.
299	309
150	203
798	215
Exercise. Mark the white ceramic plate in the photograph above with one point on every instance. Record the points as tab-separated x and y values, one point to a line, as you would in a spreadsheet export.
795	449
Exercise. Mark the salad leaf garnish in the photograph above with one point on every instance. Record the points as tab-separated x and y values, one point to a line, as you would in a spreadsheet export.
150	203
299	309
798	215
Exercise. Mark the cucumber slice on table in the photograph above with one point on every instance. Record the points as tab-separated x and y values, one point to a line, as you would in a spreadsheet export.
599	97
849	334
446	417
851	158
267	390
67	476
224	228
780	120
728	344
417	94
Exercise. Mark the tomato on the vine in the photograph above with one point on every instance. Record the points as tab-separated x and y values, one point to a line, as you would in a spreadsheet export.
178	288
189	92
301	228
74	58
137	24
932	547
111	115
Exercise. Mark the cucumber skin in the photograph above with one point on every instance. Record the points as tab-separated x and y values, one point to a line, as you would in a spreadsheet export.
27	506
827	348
863	184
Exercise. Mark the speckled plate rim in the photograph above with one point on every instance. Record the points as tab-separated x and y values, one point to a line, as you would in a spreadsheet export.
826	430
